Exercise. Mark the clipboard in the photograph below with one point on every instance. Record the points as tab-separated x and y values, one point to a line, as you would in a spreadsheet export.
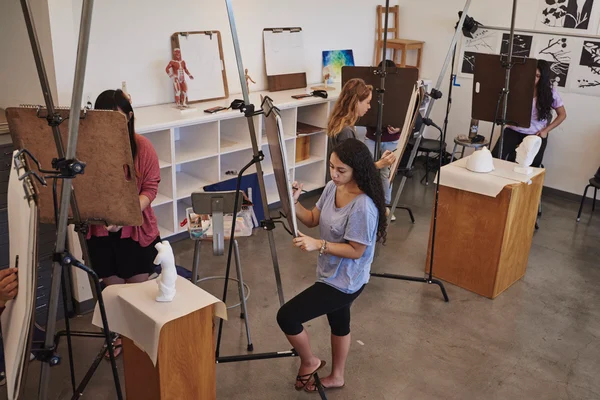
204	58
285	61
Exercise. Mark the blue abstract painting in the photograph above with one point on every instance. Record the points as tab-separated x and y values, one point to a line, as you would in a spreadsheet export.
333	61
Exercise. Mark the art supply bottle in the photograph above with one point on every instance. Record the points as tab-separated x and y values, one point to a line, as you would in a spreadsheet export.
474	128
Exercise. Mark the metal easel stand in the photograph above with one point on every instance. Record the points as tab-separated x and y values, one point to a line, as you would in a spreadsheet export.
435	95
268	224
506	90
68	167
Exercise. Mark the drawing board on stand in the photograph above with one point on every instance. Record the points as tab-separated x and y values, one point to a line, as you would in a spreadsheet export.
202	52
277	150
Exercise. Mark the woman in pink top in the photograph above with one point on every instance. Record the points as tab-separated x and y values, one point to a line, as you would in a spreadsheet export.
126	254
545	99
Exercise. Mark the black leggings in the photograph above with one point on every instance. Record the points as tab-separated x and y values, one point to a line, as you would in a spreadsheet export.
512	140
317	300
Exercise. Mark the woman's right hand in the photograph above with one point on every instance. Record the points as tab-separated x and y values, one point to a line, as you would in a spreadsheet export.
296	191
387	158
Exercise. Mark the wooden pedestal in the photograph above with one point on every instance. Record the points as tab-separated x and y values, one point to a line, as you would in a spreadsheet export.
482	243
186	367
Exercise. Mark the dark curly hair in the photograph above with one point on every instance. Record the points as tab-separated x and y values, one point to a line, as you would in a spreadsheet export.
544	92
357	156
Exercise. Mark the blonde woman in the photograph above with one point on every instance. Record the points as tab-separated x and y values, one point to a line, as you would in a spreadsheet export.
353	103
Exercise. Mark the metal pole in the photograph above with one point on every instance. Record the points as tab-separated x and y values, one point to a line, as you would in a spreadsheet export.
562	34
82	50
438	85
381	91
506	90
259	171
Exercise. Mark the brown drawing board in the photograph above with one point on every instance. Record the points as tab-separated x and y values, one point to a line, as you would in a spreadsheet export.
104	193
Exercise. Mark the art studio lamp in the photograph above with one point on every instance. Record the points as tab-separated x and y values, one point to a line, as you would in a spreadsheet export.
481	161
470	26
526	153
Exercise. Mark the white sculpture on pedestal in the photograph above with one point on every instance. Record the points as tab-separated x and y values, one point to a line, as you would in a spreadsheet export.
168	276
526	153
481	161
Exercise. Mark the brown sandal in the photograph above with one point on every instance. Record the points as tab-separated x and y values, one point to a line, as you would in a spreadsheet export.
316	389
305	379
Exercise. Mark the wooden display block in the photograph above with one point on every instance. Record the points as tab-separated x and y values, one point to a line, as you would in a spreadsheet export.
482	243
302	148
186	367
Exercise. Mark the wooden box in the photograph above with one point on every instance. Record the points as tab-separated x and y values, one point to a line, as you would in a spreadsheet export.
302	148
482	243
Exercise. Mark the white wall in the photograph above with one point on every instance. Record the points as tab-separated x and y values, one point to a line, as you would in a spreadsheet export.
130	40
573	155
19	82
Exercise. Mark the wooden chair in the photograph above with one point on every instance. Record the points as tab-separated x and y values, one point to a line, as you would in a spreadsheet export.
395	43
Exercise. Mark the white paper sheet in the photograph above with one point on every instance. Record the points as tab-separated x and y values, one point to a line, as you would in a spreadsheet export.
17	317
456	175
203	59
132	310
284	52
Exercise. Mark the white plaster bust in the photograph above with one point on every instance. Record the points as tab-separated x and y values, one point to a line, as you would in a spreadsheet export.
526	153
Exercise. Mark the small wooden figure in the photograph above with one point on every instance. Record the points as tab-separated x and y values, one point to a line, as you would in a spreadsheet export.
177	70
248	78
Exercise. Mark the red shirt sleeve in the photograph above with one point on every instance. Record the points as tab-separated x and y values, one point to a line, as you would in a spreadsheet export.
149	168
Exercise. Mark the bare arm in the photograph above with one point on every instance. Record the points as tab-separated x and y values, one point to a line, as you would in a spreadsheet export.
351	250
561	115
310	218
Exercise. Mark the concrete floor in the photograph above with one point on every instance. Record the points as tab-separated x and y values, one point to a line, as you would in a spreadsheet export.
538	340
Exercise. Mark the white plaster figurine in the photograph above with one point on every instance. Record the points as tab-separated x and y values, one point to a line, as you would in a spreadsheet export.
526	153
168	276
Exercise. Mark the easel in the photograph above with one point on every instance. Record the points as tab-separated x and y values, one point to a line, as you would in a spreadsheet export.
67	168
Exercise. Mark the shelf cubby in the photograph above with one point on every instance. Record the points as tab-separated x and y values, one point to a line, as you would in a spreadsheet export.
195	142
161	141
235	135
164	217
193	176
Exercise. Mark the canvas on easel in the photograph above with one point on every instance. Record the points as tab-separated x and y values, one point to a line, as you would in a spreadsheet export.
202	52
275	138
412	112
284	58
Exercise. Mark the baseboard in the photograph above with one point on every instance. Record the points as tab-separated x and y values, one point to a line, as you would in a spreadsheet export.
85	307
548	191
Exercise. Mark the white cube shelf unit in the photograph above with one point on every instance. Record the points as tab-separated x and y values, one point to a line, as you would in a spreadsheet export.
196	149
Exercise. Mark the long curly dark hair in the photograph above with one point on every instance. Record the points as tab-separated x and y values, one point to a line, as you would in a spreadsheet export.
357	156
544	92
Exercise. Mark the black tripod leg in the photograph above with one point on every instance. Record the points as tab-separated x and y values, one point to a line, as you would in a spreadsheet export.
68	330
107	334
320	387
410	213
442	288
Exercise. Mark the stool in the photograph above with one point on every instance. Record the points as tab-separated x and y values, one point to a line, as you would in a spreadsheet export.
466	143
216	204
395	43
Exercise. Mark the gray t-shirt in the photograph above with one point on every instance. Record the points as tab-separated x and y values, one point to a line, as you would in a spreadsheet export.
357	222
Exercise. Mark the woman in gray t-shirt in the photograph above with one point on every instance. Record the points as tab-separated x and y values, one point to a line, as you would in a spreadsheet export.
351	219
